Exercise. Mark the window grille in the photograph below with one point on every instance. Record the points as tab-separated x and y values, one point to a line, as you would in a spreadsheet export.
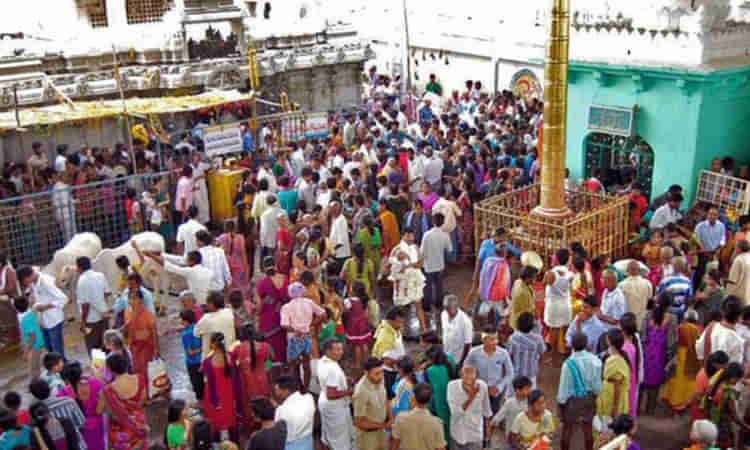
146	11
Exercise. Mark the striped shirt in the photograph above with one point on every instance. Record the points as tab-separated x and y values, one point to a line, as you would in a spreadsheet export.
681	288
525	350
67	408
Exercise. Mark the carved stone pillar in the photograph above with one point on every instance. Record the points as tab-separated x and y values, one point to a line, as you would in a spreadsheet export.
310	89
331	73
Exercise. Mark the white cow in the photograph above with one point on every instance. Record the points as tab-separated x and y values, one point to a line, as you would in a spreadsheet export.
154	275
63	265
105	260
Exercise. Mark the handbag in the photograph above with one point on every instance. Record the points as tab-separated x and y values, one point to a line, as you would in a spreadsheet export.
579	409
158	380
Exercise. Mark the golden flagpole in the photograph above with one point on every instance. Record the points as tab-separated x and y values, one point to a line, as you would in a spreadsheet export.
124	107
552	202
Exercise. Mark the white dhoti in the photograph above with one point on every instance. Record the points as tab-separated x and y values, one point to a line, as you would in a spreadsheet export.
557	312
337	428
200	195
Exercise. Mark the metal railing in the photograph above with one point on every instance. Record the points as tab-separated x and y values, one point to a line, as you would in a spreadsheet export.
730	194
34	226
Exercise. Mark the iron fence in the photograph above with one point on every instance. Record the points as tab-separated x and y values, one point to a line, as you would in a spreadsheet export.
34	226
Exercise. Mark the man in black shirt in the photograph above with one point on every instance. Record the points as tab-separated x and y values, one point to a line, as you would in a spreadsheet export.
272	435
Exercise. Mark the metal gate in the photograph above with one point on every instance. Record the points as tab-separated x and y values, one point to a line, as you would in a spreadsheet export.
619	159
33	227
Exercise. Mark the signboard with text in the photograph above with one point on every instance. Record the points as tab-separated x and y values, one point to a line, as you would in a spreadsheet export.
222	139
611	120
316	125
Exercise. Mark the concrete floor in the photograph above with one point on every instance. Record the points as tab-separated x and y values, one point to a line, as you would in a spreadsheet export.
660	432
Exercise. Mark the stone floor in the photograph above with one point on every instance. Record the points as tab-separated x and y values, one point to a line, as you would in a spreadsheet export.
660	432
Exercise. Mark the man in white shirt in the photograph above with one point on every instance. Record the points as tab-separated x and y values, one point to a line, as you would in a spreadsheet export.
218	319
48	301
458	330
265	173
356	162
269	226
186	232
92	290
415	168
469	404
348	134
213	257
38	160
61	159
367	150
297	410
743	330
306	188
450	210
433	169
666	214
724	335
335	397
403	121
339	234
613	304
197	277
318	166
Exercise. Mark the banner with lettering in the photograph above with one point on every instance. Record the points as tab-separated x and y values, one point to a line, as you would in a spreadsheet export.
222	139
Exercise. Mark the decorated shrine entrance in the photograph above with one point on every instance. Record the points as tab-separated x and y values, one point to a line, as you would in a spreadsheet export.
619	160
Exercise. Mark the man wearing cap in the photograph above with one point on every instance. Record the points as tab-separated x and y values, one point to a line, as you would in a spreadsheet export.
493	365
297	317
372	412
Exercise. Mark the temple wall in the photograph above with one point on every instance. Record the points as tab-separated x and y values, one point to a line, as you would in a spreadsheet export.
687	118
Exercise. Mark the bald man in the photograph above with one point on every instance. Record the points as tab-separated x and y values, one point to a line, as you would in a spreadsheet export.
613	304
637	291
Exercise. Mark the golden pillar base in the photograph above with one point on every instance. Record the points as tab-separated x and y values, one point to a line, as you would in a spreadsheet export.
555	214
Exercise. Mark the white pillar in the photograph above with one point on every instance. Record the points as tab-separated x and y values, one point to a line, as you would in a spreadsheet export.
117	14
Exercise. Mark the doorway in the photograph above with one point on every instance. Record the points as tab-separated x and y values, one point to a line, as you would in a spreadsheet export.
619	161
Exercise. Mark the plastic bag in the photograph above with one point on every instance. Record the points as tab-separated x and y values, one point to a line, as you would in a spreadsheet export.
158	380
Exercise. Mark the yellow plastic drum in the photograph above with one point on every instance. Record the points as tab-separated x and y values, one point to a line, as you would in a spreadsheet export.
222	189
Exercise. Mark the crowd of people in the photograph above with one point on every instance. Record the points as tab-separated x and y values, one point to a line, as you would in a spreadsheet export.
297	314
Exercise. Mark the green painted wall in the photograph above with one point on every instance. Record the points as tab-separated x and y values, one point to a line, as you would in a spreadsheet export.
687	118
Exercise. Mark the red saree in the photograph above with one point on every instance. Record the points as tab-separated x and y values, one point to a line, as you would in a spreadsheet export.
128	426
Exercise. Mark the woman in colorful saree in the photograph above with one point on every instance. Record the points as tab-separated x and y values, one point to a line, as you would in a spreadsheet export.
142	338
720	404
128	426
613	399
679	390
